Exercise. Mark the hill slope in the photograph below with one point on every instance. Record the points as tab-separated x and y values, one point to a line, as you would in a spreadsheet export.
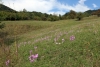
66	43
6	8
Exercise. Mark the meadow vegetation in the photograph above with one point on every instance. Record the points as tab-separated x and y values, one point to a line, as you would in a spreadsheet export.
63	43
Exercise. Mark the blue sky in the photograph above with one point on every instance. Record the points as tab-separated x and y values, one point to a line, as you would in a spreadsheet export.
53	6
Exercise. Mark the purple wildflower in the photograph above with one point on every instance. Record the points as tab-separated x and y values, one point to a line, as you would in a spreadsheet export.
33	57
7	62
72	37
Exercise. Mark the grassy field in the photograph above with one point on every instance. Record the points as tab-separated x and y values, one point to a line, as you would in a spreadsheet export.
65	43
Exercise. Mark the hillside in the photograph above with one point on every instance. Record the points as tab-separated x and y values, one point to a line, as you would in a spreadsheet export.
65	43
6	8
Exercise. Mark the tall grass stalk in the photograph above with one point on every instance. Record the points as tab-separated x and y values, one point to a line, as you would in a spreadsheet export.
16	46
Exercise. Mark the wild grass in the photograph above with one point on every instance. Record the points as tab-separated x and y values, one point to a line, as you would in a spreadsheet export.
51	41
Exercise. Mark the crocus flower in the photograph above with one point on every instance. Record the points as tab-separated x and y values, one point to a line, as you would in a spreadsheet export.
33	57
72	37
7	62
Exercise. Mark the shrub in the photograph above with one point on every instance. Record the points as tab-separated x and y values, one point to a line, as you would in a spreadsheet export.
2	25
79	16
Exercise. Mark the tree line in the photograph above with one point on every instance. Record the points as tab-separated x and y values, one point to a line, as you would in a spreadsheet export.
7	13
4	15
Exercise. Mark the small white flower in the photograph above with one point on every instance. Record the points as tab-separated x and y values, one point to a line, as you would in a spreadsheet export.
59	43
56	43
63	40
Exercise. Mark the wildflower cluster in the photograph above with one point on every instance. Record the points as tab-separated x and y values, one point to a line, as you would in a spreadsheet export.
32	57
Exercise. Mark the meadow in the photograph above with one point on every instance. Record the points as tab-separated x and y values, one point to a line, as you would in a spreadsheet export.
64	43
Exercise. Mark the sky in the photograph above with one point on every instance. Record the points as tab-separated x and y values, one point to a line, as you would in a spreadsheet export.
52	6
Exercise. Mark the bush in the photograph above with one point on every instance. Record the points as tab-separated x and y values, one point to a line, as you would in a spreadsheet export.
54	18
79	16
2	25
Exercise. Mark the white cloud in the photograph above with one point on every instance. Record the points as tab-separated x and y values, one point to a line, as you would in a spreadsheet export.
81	2
31	5
56	12
79	7
45	6
94	5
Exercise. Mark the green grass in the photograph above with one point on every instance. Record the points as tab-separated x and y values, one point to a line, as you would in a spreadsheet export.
84	51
